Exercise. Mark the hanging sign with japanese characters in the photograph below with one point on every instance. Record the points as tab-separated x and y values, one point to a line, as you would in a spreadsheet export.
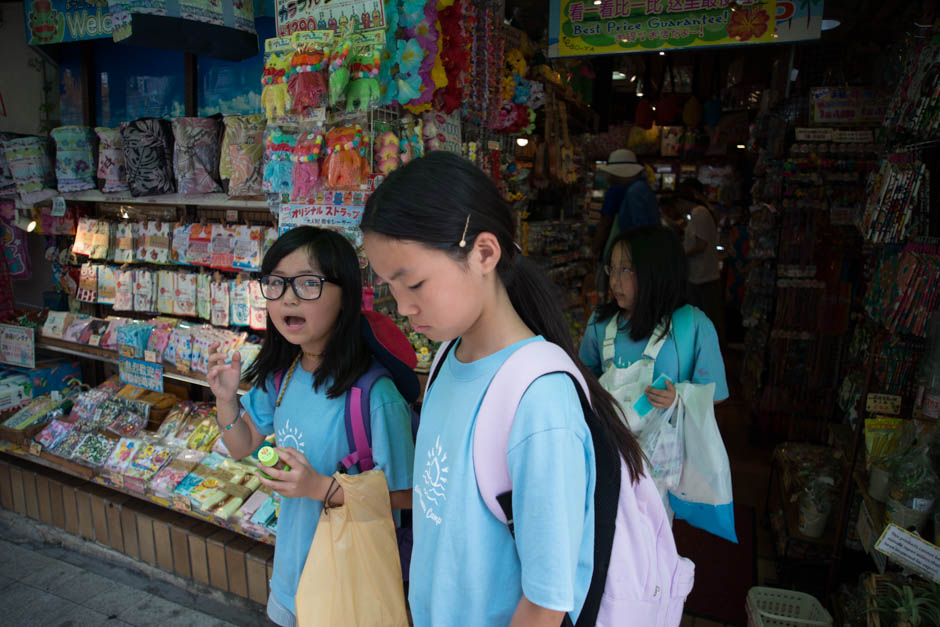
587	27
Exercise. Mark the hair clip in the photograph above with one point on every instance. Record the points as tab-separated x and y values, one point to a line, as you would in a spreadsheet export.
463	238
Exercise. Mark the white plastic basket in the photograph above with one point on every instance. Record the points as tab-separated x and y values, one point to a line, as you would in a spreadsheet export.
772	607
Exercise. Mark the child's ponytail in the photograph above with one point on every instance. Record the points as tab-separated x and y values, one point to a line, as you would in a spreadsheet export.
440	200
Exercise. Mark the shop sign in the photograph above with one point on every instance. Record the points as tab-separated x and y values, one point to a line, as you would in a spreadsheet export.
798	20
141	373
814	134
583	27
910	551
300	15
852	106
860	136
17	346
327	214
883	404
58	21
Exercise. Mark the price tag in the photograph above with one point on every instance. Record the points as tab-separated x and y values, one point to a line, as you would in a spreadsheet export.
94	340
883	404
492	144
231	215
151	356
35	448
181	503
58	207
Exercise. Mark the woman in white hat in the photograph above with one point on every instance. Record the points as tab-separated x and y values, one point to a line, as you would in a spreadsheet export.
628	203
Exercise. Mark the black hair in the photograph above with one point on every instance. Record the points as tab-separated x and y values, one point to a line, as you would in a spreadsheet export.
661	270
347	355
428	201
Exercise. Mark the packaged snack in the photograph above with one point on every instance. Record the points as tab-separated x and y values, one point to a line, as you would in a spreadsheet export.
111	170
205	435
203	296
168	478
94	450
66	446
54	433
127	424
174	420
240	306
148	461
121	456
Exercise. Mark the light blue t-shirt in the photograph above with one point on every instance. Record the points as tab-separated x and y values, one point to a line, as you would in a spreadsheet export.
315	425
709	367
465	569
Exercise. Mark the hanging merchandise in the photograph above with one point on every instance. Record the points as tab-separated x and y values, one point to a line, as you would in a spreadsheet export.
30	166
221	307
898	200
7	182
240	304
124	290
644	116
203	296
339	66
166	291
179	244
15	252
222	247
184	303
346	165
74	158
363	91
306	77
153	242
274	96
247	254
200	237
279	149
100	240
111	171
196	155
148	152
306	169
667	110
456	26
107	285
412	142
257	304
242	154
916	104
88	284
124	242
144	291
386	153
692	113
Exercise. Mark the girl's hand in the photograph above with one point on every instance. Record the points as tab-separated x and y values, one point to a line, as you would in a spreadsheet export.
223	378
662	399
300	480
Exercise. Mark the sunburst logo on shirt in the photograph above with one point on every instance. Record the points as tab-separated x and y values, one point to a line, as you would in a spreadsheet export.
291	437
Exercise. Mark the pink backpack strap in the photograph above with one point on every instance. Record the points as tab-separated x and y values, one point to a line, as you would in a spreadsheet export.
498	410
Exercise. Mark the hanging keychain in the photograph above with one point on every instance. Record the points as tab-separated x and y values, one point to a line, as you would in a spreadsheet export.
277	62
363	89
306	165
309	62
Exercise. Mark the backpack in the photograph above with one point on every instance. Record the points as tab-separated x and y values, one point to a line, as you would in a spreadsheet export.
638	576
393	358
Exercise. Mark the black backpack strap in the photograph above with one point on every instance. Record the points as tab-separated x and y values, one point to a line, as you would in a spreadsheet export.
439	359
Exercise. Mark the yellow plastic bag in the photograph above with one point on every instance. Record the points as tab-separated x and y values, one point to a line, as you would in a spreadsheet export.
353	574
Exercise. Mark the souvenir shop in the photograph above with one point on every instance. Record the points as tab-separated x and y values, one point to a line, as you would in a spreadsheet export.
154	154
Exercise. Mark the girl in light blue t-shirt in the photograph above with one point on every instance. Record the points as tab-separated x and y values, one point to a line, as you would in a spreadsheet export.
312	283
439	233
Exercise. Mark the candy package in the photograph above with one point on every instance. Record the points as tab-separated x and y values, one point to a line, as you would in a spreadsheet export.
94	450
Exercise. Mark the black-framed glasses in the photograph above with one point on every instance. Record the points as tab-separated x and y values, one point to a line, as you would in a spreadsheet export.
305	286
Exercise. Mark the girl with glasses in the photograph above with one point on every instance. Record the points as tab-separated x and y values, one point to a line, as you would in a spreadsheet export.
630	340
312	354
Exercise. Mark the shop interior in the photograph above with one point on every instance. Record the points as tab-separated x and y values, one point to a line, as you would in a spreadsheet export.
143	175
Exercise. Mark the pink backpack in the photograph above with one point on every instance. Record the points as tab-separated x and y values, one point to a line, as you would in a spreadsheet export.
639	578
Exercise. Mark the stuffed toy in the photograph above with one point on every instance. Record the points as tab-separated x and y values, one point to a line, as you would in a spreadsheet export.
306	171
345	166
278	170
386	151
274	93
307	85
364	71
339	69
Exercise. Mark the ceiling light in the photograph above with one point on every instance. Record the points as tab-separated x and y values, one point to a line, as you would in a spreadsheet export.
31	226
639	94
633	78
830	24
741	146
598	3
522	141
618	76
654	107
662	53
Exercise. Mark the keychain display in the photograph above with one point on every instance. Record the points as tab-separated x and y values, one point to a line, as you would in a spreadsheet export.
346	166
307	84
278	169
363	90
306	172
277	64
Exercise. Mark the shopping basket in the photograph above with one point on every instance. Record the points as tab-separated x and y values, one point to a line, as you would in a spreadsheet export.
772	607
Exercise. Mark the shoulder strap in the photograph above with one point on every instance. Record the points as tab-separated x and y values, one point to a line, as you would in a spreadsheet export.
609	345
278	380
683	330
439	358
498	409
655	343
358	419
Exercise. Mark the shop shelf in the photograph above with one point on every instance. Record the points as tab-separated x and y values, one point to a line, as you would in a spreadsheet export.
200	200
75	470
111	357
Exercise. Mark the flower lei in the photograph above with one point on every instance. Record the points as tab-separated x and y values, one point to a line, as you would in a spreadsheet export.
303	154
454	52
414	50
358	140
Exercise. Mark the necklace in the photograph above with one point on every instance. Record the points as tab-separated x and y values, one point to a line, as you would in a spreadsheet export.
290	373
313	355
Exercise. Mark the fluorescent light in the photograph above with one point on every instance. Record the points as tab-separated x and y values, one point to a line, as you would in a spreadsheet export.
719	247
31	226
741	146
618	76
828	24
662	53
522	141
633	78
639	94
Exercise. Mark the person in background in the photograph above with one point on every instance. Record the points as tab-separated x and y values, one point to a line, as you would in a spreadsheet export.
628	203
701	248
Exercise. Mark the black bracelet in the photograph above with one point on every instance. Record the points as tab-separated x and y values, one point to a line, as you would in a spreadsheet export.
331	491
